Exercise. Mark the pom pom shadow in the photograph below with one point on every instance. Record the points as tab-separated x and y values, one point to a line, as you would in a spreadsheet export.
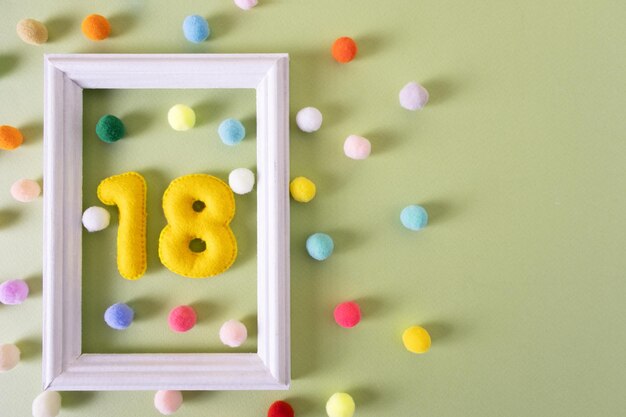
33	132
8	217
58	27
34	285
144	307
122	23
29	348
8	62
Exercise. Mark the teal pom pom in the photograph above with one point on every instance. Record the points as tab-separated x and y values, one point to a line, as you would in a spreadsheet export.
414	217
119	316
231	131
196	29
110	129
320	246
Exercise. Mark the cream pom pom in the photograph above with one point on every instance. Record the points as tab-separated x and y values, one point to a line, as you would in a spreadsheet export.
9	357
25	190
32	31
233	333
47	404
96	218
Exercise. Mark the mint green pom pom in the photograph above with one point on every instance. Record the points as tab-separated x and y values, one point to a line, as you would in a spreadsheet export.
110	129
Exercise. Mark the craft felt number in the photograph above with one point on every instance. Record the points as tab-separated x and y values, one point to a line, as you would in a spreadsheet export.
197	242
128	192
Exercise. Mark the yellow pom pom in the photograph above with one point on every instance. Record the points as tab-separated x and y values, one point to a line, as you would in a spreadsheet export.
181	117
416	339
302	189
340	404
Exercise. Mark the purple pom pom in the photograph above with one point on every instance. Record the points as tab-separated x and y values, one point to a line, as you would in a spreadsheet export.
13	292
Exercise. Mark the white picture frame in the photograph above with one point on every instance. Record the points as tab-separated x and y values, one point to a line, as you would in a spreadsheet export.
65	367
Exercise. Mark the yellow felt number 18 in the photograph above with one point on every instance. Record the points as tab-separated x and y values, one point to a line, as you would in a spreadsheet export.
197	241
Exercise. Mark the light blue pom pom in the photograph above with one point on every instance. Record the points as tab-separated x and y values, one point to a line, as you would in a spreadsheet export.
414	217
196	28
119	316
320	246
231	131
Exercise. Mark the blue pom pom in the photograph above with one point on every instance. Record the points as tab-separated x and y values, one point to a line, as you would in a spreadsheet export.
320	246
196	28
119	316
414	217
231	131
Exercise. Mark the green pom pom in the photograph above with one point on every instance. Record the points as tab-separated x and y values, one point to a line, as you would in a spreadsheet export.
110	129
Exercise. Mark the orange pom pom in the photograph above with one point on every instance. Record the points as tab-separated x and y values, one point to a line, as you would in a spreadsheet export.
344	50
10	138
96	27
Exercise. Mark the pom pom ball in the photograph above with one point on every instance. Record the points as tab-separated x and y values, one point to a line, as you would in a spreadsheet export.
246	4
231	131
96	218
233	333
32	31
47	404
309	119
414	217
13	292
196	29
416	339
340	404
320	246
181	117
280	409
168	402
347	314
96	27
10	138
9	356
110	129
302	189
182	319
25	190
119	316
413	96
344	50
241	180
357	147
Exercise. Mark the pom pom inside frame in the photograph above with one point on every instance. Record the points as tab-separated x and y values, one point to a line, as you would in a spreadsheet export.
68	362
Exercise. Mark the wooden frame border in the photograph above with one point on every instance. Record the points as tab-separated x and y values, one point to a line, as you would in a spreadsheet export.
65	367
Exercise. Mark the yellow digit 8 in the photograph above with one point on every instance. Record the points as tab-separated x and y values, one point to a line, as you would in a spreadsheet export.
197	241
128	192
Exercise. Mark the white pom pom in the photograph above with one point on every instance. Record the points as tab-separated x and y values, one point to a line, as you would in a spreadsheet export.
47	404
241	180
309	119
413	96
233	333
9	357
246	4
96	218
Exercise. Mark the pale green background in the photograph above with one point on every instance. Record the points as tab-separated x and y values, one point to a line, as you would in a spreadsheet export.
519	158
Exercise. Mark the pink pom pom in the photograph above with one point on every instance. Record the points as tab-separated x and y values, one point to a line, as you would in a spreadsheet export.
348	314
182	319
357	147
233	333
25	190
13	292
246	4
168	402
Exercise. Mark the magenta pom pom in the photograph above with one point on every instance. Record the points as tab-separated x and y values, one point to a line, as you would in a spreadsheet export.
348	314
182	319
13	292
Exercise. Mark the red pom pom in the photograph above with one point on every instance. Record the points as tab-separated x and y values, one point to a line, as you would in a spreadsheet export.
280	409
348	314
344	50
182	319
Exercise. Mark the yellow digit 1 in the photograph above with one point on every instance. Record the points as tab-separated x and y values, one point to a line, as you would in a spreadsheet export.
128	192
197	241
